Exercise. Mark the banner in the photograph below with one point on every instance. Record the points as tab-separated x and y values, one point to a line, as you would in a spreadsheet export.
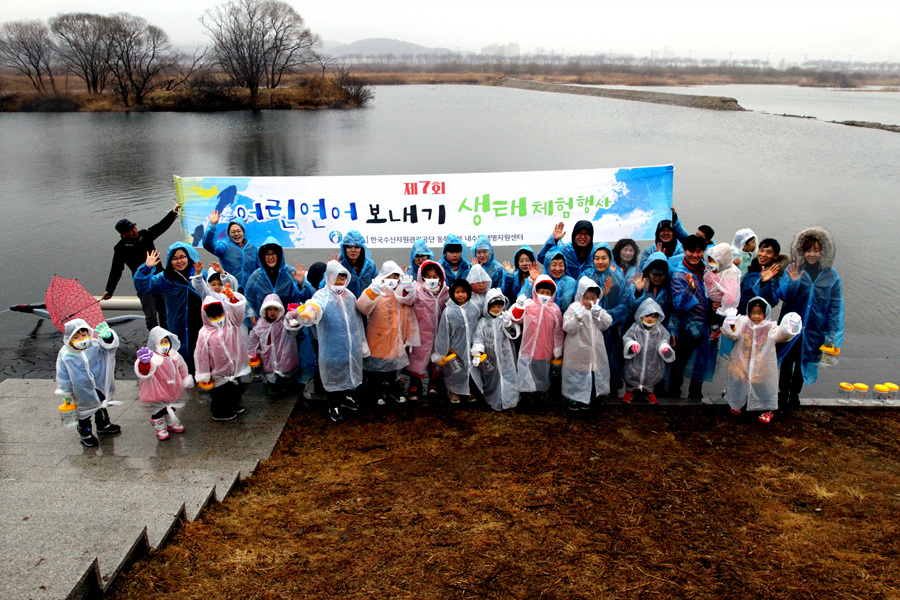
395	210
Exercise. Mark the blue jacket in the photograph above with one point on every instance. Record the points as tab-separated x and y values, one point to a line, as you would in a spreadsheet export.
236	260
565	286
512	284
462	268
690	309
574	266
420	246
362	279
616	302
493	267
259	284
663	296
179	295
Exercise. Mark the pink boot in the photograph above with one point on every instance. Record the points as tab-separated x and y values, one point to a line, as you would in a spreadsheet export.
172	422
160	426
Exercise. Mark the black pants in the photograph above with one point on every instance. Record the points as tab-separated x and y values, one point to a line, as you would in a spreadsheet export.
790	380
224	399
154	307
685	347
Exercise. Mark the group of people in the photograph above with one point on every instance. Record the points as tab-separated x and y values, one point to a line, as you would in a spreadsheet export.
579	319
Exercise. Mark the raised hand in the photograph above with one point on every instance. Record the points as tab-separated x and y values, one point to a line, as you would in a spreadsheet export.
198	266
228	293
335	256
659	247
794	271
214	217
299	273
152	259
596	309
216	267
144	354
768	273
639	282
508	266
534	271
607	286
559	231
579	311
690	282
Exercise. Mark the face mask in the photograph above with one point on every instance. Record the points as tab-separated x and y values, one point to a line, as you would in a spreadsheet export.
218	321
544	299
390	284
432	284
164	347
495	311
82	345
711	266
646	324
337	289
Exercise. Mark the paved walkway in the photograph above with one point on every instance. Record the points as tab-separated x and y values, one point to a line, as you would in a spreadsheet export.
71	518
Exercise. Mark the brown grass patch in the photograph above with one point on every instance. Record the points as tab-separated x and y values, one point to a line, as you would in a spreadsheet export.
668	503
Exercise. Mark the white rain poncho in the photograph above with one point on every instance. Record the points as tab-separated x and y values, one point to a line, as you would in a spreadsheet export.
391	324
428	307
342	336
585	357
168	378
454	335
737	248
542	338
753	367
80	374
648	367
500	386
477	274
201	285
221	355
275	343
722	279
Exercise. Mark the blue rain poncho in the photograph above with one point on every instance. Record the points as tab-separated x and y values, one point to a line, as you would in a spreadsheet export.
493	267
662	295
80	374
574	264
512	284
670	249
565	285
362	278
261	283
646	368
753	367
240	261
419	246
454	335
500	386
182	301
617	302
342	336
584	358
462	269
691	316
737	248
819	302
477	274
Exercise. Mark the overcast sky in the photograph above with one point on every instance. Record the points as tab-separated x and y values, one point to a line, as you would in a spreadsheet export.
865	30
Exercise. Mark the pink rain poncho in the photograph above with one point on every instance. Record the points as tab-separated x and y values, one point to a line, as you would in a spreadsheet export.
168	378
221	355
276	342
584	358
391	326
428	307
500	386
646	367
753	367
542	338
722	279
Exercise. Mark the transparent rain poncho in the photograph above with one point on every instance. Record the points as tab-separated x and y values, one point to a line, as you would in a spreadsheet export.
342	336
477	274
722	279
647	367
584	358
500	386
391	324
428	308
752	379
168	378
200	283
221	354
80	374
275	343
737	248
542	338
454	335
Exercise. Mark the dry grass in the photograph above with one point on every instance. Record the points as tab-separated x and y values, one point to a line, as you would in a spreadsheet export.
635	502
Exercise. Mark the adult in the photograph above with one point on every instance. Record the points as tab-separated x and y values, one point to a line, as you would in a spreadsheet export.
482	253
811	288
664	241
627	255
577	252
517	274
356	258
695	352
183	304
418	254
653	282
237	254
453	259
704	231
132	250
764	274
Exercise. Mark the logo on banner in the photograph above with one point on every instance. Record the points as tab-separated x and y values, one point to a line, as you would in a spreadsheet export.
335	237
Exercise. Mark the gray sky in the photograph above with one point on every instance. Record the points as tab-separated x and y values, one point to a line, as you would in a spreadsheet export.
864	30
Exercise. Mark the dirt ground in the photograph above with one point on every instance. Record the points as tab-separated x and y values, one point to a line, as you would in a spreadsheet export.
629	502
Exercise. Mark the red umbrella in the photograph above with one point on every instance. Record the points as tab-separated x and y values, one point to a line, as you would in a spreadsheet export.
66	299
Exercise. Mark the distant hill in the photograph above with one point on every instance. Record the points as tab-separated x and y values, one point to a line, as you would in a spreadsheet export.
376	46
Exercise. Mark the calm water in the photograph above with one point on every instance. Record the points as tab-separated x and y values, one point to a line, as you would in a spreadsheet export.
69	177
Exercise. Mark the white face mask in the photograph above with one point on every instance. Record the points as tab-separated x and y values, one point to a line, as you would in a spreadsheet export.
337	289
83	344
544	299
390	284
163	348
432	284
218	322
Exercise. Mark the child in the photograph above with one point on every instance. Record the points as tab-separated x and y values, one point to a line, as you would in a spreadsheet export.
419	253
390	329
221	354
430	298
480	281
585	368
744	249
85	370
214	282
274	342
452	261
454	336
646	351
753	369
342	339
722	280
482	253
542	338
494	337
162	380
555	267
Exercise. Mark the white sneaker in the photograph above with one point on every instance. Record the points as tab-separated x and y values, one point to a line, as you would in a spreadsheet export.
172	423
380	402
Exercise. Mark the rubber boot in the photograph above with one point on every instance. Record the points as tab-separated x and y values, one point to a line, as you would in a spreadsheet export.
160	426
104	426
172	423
86	432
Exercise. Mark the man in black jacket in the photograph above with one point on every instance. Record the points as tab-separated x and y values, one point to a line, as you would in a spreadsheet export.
132	250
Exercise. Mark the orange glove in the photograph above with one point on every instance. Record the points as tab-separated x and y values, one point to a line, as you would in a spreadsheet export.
229	294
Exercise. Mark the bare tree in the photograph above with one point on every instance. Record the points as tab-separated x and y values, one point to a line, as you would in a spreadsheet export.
257	41
323	61
83	45
140	54
185	68
27	48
